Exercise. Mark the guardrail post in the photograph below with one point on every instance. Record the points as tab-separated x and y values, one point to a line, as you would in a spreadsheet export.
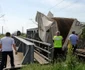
29	55
52	53
49	54
20	47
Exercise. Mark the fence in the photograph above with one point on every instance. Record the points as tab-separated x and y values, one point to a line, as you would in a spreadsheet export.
27	48
43	49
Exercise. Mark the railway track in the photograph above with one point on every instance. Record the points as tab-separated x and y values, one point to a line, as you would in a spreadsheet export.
80	52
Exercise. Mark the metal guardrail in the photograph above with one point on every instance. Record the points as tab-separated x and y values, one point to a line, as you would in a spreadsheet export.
43	49
27	48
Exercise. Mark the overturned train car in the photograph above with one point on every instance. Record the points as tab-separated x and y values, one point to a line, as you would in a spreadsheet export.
47	26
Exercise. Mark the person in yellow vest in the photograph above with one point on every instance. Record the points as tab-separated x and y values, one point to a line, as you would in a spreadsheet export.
57	43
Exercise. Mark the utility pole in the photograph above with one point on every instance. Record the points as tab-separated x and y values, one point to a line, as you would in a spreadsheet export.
22	29
2	26
2	30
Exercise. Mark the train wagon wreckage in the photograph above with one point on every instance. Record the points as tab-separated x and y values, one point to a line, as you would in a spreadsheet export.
48	25
42	36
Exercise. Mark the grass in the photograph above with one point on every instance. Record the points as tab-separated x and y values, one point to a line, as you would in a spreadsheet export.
1	35
71	63
23	35
56	66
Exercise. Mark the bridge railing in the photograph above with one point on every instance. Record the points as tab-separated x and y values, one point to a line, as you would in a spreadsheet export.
27	48
44	49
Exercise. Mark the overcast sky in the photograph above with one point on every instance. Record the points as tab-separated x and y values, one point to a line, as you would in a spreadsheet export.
18	13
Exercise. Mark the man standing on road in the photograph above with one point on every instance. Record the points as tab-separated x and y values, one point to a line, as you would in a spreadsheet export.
73	38
6	45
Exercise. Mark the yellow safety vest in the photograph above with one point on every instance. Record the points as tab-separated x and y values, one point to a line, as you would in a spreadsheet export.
57	41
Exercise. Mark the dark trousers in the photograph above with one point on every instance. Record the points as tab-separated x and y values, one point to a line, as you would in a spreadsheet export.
57	53
74	48
4	59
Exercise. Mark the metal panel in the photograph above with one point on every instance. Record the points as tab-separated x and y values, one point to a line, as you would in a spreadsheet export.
27	48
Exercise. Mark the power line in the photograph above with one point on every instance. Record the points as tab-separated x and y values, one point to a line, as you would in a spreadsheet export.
56	4
68	5
65	6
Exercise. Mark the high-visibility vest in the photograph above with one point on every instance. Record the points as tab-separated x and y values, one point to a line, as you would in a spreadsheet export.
57	41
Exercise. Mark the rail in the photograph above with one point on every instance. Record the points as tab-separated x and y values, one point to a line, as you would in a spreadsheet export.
27	48
42	48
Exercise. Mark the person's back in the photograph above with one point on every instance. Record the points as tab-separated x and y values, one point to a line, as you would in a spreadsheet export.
57	43
73	38
7	43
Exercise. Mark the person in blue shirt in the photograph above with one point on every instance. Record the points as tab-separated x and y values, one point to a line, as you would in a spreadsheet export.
6	44
73	38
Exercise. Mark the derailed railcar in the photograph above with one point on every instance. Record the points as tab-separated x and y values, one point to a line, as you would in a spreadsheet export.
47	26
32	33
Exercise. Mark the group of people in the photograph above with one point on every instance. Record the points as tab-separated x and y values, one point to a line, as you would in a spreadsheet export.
6	44
58	41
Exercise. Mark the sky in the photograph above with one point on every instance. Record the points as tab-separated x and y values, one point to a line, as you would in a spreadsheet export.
20	14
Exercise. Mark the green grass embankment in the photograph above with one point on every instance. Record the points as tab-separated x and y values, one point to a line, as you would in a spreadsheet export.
1	35
71	63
